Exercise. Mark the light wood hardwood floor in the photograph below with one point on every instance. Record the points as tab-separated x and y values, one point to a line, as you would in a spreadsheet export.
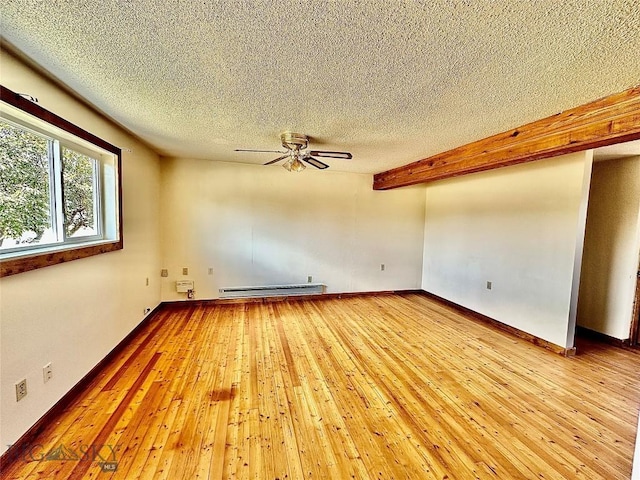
388	386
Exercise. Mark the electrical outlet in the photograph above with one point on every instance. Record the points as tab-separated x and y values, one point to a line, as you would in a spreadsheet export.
210	271
164	272
185	271
309	279
147	281
47	372
382	267
21	389
489	285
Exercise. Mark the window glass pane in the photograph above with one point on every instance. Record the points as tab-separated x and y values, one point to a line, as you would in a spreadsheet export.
79	190
25	204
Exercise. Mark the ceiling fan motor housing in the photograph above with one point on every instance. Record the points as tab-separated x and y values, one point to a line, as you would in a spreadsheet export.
294	141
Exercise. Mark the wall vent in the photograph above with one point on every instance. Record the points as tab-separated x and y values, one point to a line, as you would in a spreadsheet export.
273	290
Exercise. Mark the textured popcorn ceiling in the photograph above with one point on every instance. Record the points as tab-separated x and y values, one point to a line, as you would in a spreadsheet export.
390	81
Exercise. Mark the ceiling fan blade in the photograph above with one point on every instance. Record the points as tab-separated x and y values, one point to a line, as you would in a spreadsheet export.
322	153
258	151
277	159
315	162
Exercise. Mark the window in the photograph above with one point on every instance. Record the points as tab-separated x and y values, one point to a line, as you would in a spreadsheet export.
59	189
49	193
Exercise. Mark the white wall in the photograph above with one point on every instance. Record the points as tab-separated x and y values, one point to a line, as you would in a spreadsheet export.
519	227
612	245
257	225
73	314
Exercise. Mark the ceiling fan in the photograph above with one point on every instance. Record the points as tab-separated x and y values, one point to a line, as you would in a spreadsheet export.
296	153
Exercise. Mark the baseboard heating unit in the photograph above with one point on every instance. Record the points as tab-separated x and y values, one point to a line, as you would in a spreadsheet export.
273	290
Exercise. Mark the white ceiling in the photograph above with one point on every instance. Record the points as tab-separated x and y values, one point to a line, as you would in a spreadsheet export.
391	81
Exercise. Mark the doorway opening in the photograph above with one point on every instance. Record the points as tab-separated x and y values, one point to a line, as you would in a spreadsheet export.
609	295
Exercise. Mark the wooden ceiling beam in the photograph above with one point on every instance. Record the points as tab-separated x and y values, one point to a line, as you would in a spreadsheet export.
613	119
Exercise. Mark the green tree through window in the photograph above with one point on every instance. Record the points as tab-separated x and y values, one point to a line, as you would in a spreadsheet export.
28	210
24	183
78	173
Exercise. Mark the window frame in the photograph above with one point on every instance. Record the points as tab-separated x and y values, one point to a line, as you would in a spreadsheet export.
53	254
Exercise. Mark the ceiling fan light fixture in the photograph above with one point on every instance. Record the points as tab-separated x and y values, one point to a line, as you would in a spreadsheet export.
297	165
294	164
